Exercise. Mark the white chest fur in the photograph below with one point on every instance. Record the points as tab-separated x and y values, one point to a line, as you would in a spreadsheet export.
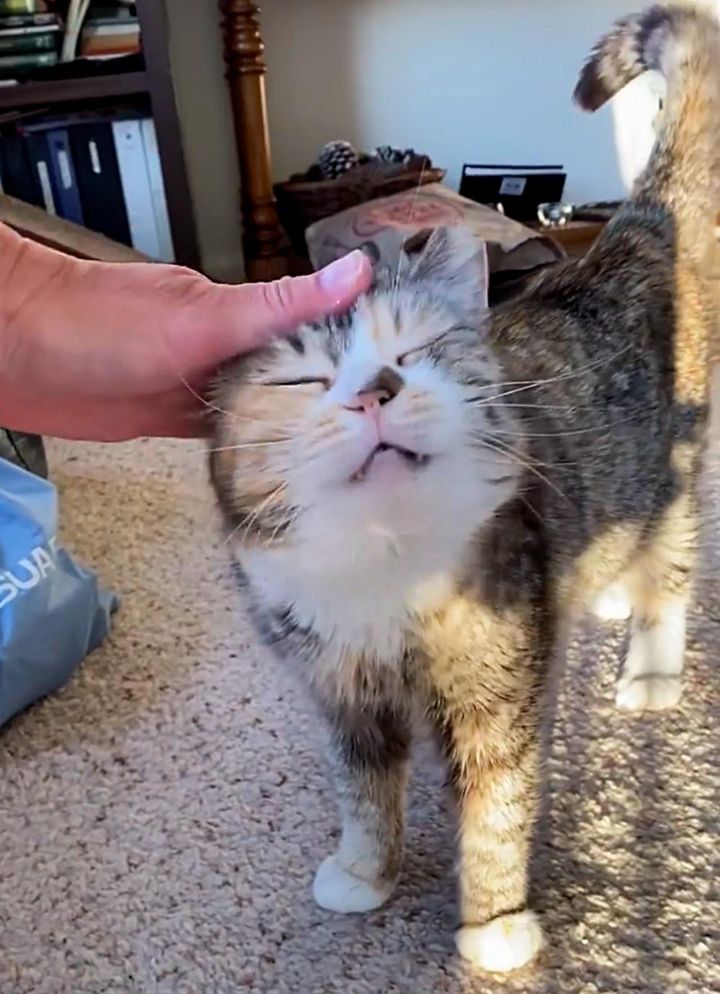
360	594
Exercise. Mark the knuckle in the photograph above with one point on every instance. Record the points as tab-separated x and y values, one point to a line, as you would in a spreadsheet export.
279	295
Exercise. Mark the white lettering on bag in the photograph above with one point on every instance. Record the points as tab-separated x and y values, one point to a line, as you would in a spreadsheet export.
28	573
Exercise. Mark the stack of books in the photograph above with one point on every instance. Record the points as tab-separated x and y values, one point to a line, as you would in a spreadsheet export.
99	169
29	37
110	30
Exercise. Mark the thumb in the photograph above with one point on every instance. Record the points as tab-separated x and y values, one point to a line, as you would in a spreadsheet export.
256	312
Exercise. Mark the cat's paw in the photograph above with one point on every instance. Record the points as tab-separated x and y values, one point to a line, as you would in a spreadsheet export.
613	604
337	889
502	945
649	693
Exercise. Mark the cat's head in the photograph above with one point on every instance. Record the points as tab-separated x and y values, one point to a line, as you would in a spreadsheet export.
376	426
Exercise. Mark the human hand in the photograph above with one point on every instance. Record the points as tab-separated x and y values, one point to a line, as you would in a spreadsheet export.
110	352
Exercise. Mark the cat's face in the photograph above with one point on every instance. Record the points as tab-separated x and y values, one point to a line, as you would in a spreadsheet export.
373	427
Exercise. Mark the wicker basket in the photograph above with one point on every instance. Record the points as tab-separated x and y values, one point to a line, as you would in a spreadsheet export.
302	202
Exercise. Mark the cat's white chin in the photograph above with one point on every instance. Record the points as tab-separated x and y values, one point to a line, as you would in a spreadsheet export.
337	889
502	945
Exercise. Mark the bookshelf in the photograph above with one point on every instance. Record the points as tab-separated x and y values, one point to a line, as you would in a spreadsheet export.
50	93
155	83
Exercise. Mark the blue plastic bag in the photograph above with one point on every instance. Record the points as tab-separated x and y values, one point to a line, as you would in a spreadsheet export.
52	612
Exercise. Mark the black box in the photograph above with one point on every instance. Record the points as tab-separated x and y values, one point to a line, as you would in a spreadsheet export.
519	190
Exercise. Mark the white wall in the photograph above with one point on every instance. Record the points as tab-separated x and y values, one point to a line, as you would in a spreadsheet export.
463	80
208	140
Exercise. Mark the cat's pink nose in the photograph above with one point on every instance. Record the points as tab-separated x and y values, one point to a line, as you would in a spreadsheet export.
368	401
381	389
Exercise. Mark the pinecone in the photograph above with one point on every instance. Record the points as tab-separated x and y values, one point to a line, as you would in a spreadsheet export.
396	155
336	158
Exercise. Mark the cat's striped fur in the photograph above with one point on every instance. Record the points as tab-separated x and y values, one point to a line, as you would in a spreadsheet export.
573	421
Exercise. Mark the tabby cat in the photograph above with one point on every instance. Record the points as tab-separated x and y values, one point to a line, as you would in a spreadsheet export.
421	495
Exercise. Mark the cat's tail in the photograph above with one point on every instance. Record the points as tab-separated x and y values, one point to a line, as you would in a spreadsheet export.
682	177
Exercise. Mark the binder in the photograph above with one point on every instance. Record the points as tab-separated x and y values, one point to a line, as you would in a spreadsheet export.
98	178
135	183
157	190
62	174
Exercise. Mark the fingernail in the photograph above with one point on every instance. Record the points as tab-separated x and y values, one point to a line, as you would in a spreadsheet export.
341	276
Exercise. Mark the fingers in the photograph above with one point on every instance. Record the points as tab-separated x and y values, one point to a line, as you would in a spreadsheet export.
255	312
286	303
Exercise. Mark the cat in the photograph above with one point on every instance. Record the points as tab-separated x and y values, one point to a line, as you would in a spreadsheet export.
422	494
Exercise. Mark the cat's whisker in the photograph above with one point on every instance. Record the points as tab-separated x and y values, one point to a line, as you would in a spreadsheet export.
479	436
549	381
205	451
568	408
203	400
257	510
286	523
500	447
219	410
247	445
532	509
563	434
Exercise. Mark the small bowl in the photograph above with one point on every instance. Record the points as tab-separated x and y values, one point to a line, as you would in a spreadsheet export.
556	215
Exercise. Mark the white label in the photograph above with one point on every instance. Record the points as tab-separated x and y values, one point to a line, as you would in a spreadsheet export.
513	186
65	174
94	158
29	572
44	177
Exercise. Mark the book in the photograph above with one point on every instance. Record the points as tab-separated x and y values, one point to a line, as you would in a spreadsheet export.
94	51
19	179
62	176
110	39
157	190
98	178
10	64
135	183
22	44
22	30
22	7
39	153
29	21
110	15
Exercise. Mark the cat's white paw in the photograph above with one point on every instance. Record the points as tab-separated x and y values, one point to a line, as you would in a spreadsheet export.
613	604
337	889
649	693
505	944
651	679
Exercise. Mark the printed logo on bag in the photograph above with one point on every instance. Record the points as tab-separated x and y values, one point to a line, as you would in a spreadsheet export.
28	573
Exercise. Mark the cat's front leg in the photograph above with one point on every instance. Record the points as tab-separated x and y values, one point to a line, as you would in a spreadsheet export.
493	754
369	754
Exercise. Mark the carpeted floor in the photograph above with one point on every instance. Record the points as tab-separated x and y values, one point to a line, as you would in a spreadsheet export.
161	819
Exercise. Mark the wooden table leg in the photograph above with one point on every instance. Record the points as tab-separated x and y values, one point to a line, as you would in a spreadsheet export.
265	244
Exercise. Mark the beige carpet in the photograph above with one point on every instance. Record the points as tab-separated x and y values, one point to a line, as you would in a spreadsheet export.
160	820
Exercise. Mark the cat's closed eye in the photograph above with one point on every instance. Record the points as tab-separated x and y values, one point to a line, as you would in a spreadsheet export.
411	356
415	354
301	381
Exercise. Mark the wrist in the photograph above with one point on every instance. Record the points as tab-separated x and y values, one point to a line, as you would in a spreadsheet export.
26	267
26	270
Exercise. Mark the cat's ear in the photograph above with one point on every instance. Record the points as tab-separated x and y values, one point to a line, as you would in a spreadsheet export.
454	262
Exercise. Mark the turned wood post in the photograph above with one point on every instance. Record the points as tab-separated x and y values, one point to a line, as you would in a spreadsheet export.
264	241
